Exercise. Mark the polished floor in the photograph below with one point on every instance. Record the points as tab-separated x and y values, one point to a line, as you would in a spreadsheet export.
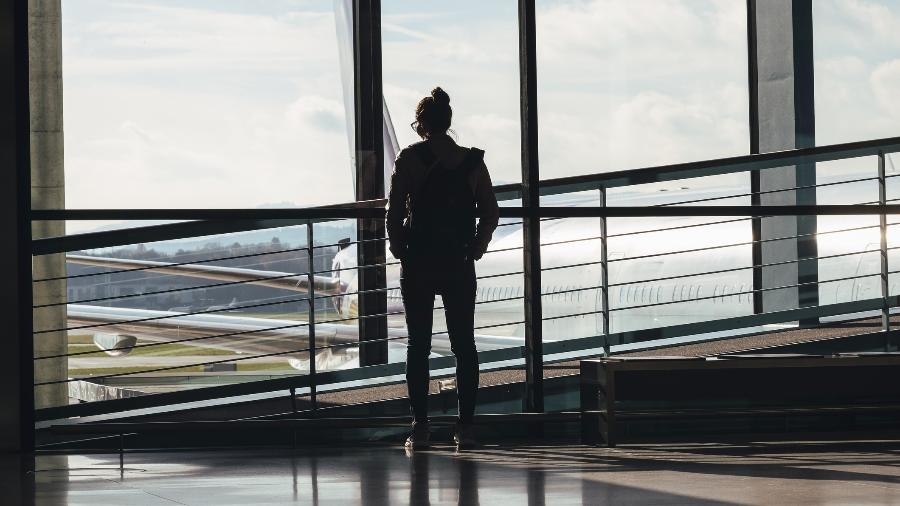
862	472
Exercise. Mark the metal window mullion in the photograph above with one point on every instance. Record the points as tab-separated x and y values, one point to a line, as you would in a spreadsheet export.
369	124
753	122
604	270
531	229
885	290
15	156
311	319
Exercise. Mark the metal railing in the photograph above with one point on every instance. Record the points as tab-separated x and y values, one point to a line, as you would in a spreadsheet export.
209	222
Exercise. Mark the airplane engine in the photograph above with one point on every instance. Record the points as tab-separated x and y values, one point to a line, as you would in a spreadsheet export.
116	345
329	359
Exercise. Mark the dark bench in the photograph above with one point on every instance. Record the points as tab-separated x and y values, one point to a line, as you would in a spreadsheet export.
619	390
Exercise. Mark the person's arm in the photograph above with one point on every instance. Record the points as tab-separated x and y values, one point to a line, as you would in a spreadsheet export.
396	209
488	211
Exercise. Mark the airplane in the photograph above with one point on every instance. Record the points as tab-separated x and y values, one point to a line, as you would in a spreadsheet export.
572	303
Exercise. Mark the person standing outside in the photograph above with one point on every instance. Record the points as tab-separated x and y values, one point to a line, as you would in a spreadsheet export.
441	215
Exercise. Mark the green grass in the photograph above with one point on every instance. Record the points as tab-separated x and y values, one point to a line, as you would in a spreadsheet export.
81	339
295	315
241	366
100	371
85	343
177	350
82	345
265	366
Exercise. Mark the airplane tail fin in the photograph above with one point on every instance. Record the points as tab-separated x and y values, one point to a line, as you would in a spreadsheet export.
343	18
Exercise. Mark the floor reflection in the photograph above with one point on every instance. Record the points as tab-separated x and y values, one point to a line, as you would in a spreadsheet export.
714	474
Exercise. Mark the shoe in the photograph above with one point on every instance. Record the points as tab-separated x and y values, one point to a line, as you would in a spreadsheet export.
464	436
420	436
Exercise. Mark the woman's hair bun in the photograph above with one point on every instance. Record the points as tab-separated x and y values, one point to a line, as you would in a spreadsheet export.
433	114
440	96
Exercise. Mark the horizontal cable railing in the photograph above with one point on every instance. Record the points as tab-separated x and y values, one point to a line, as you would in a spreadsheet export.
225	221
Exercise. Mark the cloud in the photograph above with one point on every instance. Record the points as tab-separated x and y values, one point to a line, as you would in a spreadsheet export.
886	85
625	87
652	43
202	107
317	112
856	44
220	106
878	19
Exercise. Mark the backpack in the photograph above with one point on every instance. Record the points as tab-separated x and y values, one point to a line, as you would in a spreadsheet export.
441	219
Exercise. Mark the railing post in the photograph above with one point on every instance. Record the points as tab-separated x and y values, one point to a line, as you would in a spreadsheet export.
604	266
882	217
311	319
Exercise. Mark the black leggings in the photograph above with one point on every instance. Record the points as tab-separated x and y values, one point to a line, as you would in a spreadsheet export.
420	281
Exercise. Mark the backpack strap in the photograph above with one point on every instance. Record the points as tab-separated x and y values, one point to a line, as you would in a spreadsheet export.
470	163
426	156
429	160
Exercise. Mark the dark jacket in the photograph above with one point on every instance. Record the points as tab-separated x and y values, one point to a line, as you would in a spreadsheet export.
408	177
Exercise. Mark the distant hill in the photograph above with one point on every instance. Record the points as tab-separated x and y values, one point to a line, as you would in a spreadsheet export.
325	233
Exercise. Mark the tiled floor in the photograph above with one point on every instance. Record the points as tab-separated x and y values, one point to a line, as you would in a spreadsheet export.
763	473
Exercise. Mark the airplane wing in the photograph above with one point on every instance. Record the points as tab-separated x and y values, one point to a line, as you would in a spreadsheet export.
116	330
274	279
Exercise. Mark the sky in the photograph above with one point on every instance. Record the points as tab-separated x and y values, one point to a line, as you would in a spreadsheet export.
240	103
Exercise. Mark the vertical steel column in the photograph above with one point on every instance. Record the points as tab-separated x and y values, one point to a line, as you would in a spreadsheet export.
23	225
805	173
16	363
885	288
311	320
604	265
371	276
531	226
753	102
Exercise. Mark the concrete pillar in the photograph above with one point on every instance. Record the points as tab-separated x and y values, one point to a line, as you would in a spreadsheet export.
782	116
16	415
47	192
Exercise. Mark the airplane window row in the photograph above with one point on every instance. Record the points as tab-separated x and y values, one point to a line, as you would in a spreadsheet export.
570	293
498	292
564	293
556	292
630	295
653	294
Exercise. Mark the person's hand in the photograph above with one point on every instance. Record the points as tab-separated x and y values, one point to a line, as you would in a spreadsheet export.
473	252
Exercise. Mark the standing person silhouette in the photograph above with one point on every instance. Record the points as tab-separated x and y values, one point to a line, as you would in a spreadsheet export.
438	190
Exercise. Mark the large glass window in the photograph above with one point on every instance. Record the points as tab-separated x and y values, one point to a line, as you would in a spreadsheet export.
857	70
204	104
633	84
470	49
